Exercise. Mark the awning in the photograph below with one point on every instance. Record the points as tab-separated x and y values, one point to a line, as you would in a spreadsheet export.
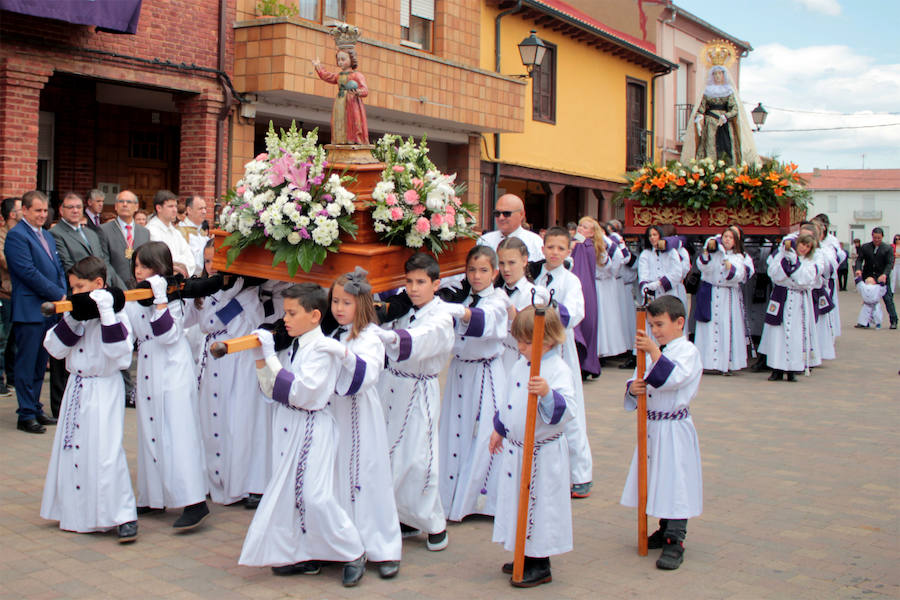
117	16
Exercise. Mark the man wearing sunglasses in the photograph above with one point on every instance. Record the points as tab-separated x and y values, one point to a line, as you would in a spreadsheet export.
509	214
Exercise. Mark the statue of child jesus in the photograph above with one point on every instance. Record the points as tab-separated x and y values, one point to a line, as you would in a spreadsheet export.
348	116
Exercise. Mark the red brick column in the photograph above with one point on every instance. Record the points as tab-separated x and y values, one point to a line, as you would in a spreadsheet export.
21	82
197	168
465	161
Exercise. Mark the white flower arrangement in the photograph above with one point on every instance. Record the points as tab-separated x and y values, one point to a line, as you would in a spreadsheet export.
414	203
288	202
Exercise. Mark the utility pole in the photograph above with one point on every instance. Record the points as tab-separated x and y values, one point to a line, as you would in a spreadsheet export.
864	160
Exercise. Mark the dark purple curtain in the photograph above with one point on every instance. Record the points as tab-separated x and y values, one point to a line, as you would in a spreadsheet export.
118	16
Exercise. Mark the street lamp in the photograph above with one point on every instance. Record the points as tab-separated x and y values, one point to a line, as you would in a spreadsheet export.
532	51
759	115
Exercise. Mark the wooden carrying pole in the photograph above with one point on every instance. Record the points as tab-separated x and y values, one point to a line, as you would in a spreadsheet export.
537	348
48	309
642	439
238	344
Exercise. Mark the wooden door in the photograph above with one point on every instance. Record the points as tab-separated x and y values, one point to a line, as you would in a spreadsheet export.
145	182
636	124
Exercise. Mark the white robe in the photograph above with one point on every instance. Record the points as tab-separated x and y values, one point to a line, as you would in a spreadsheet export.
476	383
88	487
722	341
364	487
567	291
410	389
674	472
612	334
665	268
840	254
626	278
870	313
234	425
792	345
171	469
519	299
550	505
299	517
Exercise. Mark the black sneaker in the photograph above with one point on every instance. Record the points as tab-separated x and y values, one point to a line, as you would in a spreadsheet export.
656	541
629	364
408	531
437	541
354	571
536	572
127	532
192	516
581	490
307	567
672	556
389	569
507	568
5	392
251	502
146	510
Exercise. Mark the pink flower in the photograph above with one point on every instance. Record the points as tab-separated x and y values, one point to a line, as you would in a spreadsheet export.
240	190
422	225
436	219
418	209
457	201
262	157
416	182
396	213
450	211
390	200
399	168
411	197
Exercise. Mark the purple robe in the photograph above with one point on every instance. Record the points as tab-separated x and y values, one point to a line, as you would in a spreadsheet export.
584	261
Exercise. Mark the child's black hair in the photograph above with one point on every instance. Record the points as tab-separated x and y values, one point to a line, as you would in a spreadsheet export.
669	305
311	296
485	251
156	256
558	231
89	268
424	262
514	243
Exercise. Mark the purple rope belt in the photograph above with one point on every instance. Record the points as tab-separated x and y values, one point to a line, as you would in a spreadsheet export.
420	379
301	469
203	359
532	499
658	415
72	409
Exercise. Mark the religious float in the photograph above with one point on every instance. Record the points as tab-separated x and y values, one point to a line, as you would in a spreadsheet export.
307	212
720	180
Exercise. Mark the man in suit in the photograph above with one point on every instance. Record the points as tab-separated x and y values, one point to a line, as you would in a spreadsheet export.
94	210
75	241
124	235
876	259
37	277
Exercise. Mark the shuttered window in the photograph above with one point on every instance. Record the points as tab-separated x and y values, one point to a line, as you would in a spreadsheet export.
417	23
543	89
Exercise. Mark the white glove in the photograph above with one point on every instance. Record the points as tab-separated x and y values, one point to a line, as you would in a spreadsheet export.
160	289
653	287
335	348
267	344
699	119
457	311
387	337
104	301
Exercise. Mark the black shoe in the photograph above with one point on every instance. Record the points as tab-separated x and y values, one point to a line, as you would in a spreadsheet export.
759	366
629	364
776	375
507	568
252	501
45	420
307	567
129	403
389	569
860	326
408	531
656	540
536	572
5	392
581	490
354	571
893	325
192	516
437	541
146	510
127	532
791	377
30	426
672	556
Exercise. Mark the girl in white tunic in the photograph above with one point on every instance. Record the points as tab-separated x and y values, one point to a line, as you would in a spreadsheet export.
549	530
567	293
626	277
611	329
512	257
674	475
171	470
364	487
660	267
88	487
789	334
299	520
235	427
475	385
417	349
871	292
719	308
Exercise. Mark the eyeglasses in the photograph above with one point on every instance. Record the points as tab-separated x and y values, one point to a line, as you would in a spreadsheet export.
504	213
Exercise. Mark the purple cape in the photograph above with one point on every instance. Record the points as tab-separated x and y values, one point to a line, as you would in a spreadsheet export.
584	262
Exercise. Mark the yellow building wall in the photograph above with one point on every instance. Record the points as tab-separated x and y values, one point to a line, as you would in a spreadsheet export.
588	138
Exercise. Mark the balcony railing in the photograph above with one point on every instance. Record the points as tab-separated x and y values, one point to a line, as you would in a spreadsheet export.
639	147
682	116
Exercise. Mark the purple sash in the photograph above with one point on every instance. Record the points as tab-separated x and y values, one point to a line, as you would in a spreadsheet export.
822	302
703	302
775	309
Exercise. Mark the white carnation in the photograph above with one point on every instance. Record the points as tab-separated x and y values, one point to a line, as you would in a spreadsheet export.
294	238
334	209
414	240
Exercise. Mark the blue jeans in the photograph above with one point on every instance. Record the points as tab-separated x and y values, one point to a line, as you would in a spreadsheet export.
31	363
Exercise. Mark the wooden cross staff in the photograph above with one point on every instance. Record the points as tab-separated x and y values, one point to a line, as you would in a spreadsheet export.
48	309
537	350
642	433
238	344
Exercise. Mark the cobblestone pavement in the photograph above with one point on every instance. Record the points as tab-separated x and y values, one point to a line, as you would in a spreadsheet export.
801	486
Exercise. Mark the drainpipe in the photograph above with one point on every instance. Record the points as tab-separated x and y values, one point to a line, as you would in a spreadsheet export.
668	21
505	13
226	108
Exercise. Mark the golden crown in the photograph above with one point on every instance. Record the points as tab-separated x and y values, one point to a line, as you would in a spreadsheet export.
345	35
719	53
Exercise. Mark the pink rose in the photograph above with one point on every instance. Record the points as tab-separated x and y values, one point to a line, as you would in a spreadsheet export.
261	157
416	182
450	211
436	219
418	209
396	213
390	200
457	201
411	197
422	225
240	190
398	168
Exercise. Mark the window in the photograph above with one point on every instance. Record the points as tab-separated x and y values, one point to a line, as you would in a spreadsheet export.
832	203
683	106
312	10
146	144
638	148
543	87
417	23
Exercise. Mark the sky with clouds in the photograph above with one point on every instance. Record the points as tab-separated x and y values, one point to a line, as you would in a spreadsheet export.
818	64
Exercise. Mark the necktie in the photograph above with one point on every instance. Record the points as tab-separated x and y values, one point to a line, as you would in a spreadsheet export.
338	333
40	234
83	236
294	348
129	239
510	291
412	318
96	220
549	278
475	300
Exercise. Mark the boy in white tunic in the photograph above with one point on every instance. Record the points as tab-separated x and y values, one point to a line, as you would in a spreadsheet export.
550	506
88	487
568	295
871	293
417	348
299	521
674	477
